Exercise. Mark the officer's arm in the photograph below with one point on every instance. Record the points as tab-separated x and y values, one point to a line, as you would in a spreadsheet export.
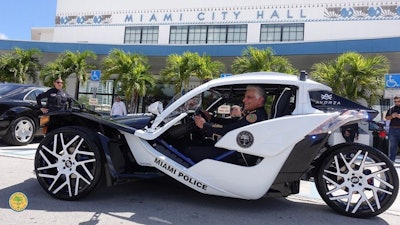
211	128
39	100
40	97
223	120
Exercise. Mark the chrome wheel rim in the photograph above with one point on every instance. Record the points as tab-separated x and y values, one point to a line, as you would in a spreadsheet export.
23	131
359	182
67	165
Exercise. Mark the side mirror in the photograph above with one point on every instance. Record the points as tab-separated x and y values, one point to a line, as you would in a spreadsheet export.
155	108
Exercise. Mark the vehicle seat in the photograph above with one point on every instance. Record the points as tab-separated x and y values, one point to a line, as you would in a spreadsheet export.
281	105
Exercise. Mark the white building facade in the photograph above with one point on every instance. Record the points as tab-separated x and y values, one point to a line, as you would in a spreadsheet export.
176	22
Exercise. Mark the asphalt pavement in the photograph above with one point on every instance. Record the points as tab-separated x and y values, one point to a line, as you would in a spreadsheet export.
16	164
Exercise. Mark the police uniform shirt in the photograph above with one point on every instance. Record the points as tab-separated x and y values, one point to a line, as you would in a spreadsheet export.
56	99
395	122
251	117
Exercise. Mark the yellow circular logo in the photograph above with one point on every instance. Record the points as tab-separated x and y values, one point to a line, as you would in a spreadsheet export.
18	201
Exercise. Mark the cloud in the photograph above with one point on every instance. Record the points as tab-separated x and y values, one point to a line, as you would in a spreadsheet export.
3	36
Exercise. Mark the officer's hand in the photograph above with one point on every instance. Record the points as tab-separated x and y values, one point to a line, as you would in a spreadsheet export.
199	121
395	115
44	110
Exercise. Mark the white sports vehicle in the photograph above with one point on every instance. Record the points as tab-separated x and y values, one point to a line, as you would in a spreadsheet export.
81	149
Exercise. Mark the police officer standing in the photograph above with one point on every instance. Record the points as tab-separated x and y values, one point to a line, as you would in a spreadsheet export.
393	114
57	99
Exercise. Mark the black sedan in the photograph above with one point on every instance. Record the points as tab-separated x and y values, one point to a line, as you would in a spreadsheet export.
19	114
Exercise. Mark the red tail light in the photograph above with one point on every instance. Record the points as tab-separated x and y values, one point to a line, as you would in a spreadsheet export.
382	134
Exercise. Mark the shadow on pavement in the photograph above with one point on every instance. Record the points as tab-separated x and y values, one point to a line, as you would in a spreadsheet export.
164	201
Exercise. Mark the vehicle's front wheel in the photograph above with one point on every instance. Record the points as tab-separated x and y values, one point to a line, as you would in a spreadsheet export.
68	163
357	181
21	131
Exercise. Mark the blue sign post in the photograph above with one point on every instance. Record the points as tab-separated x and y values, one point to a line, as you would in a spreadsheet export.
392	81
95	75
94	80
392	86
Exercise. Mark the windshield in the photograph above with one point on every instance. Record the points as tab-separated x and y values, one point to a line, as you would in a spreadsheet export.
189	106
203	100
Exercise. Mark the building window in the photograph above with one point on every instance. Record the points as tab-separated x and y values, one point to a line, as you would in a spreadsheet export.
236	34
208	34
178	34
217	34
141	35
282	32
197	35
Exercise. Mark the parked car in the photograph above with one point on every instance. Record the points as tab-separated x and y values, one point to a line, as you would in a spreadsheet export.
273	155
19	115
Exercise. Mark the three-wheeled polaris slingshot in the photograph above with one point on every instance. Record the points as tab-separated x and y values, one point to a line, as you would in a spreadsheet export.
80	149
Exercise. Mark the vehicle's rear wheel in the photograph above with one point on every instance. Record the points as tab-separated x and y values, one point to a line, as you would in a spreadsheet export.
357	181
68	163
20	132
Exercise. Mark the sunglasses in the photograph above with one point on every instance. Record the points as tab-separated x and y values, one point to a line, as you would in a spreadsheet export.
59	82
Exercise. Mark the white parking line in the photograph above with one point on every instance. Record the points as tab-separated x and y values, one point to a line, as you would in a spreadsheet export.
26	152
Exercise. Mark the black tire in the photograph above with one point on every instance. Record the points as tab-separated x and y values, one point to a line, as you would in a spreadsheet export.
68	163
357	181
21	131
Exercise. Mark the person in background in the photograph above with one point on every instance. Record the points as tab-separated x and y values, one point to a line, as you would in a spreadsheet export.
118	108
350	132
57	98
236	111
393	114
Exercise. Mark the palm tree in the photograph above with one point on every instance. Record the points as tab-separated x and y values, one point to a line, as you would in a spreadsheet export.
206	69
66	64
354	76
52	70
255	60
19	65
180	68
133	75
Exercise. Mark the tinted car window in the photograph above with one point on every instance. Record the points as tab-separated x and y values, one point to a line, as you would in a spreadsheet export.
31	96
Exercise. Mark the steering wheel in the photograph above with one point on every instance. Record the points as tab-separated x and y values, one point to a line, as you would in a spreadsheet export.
203	113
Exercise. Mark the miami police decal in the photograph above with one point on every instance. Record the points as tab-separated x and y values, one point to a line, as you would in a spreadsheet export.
244	139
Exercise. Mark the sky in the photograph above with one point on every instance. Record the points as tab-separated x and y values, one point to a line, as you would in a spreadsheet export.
17	17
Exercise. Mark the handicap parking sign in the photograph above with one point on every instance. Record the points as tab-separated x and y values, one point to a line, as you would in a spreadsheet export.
392	81
95	75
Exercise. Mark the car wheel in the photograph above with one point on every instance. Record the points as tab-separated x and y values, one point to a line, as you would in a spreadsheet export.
20	132
357	181
68	163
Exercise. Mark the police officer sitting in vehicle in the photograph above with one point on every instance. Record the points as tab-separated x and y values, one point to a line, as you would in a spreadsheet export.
254	111
57	98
